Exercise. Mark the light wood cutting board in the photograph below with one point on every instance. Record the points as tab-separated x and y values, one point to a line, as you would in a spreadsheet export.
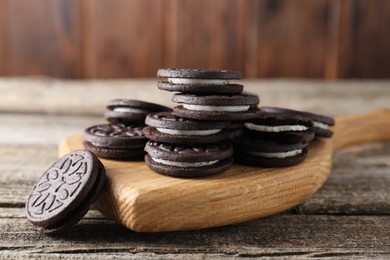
145	201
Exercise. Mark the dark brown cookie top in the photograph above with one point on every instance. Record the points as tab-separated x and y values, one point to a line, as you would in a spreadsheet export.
314	117
189	153
217	100
250	144
273	119
62	188
138	104
115	135
170	121
198	74
205	89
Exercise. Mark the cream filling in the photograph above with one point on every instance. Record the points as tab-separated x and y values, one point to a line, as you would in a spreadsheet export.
130	110
279	128
320	125
216	108
188	132
184	164
198	81
277	155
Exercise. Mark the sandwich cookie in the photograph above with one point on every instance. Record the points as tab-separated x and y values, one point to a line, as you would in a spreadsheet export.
199	81
131	110
264	153
168	128
280	127
64	193
216	107
116	141
188	161
321	123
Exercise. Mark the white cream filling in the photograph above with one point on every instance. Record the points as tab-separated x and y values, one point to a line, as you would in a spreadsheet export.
188	132
130	110
184	164
198	81
320	125
279	128
216	108
277	155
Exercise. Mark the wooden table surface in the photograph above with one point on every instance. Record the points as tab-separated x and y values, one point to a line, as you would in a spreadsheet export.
348	217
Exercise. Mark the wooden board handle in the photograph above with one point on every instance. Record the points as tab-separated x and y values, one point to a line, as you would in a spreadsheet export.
370	127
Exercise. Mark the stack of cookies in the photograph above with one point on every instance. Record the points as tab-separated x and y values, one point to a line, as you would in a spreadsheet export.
122	138
279	137
192	141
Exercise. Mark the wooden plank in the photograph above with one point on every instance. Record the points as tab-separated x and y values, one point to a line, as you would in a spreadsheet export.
119	42
5	62
278	236
291	38
364	39
74	97
52	46
215	41
358	183
66	38
371	23
30	47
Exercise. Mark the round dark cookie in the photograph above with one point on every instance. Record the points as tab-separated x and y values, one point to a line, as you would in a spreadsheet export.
138	110
216	100
116	141
274	120
171	121
244	99
247	143
167	121
201	88
222	153
198	74
245	147
133	154
321	132
63	194
116	135
252	160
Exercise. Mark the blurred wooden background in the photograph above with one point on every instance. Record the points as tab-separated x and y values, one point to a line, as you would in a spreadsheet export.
328	39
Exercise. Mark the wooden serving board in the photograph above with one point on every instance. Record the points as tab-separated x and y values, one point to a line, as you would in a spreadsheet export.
145	201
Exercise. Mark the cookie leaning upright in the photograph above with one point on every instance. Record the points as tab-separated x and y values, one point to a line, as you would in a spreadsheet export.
199	81
64	193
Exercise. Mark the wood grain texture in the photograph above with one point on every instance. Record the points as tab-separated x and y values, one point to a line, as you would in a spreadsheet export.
51	96
298	236
133	38
204	34
123	38
145	201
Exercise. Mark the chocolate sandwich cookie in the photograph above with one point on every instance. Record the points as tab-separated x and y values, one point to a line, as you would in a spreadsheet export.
321	123
64	193
265	153
116	141
168	128
235	129
188	161
280	127
216	107
130	110
199	81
